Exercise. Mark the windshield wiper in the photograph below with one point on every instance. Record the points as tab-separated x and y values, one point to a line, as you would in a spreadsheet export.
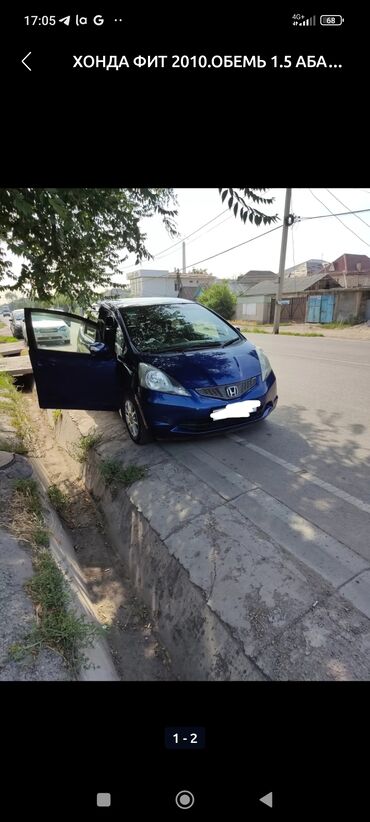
230	342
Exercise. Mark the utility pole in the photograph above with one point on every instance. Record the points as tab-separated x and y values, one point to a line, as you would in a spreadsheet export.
183	259
288	219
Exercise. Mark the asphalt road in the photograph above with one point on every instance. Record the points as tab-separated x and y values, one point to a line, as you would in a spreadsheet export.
313	453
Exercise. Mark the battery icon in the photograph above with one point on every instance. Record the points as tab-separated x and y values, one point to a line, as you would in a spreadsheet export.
331	20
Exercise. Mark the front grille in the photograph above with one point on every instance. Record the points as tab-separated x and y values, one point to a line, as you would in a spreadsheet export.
207	427
219	391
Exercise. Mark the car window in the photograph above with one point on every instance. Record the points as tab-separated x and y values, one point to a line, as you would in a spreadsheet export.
187	325
62	332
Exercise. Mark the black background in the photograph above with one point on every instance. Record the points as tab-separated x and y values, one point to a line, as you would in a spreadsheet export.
63	743
183	126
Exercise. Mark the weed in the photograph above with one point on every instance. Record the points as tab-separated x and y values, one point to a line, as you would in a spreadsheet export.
17	411
41	537
29	490
57	415
115	474
58	626
341	324
57	498
82	449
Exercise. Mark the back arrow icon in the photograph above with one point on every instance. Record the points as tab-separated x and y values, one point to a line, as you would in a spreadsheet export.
24	63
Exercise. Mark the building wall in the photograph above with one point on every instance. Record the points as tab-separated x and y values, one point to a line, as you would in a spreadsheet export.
158	287
351	304
353	280
253	309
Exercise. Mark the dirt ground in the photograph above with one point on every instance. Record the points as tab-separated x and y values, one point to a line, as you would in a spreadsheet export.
137	653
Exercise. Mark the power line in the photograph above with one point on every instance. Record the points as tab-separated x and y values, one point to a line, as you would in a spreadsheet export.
234	246
337	217
190	235
171	247
338	214
343	204
195	239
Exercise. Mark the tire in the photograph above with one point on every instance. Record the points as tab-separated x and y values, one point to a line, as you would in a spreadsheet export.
131	414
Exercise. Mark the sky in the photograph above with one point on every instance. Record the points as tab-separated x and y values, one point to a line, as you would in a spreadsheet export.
323	239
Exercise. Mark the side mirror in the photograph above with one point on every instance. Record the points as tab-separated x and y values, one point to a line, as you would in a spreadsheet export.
98	349
236	328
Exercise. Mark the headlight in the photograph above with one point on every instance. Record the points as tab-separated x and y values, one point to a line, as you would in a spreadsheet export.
264	363
157	380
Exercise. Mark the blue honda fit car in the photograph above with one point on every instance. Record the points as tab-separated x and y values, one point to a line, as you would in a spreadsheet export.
172	367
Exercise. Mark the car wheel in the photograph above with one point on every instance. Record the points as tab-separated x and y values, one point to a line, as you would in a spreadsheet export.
131	414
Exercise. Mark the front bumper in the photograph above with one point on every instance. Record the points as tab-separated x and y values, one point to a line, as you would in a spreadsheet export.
169	415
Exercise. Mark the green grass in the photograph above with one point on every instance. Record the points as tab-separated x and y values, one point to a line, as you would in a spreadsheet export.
58	627
57	415
298	334
57	498
115	474
28	488
41	537
17	413
342	324
8	339
85	444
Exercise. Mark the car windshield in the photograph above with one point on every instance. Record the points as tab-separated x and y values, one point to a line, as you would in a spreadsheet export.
18	315
171	327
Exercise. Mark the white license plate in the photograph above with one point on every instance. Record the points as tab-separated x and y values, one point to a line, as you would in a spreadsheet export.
236	409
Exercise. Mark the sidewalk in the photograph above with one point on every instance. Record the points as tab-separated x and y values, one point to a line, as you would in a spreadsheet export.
351	332
241	586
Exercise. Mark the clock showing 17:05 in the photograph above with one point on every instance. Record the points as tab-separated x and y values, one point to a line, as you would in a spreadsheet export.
179	738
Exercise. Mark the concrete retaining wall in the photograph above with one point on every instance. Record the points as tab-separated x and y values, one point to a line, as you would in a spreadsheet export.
201	646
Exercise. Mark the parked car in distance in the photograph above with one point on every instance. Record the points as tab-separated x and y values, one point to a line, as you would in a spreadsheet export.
172	367
48	331
5	313
16	323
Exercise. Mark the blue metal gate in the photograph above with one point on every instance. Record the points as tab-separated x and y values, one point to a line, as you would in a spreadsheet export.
313	309
320	308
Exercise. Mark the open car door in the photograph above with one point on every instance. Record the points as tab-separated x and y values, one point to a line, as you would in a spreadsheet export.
72	366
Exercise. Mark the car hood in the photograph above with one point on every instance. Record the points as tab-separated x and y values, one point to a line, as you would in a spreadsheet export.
209	366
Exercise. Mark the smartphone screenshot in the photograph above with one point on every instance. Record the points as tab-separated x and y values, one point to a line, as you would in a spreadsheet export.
184	412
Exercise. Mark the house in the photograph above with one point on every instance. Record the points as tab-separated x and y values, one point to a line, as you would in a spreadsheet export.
117	291
351	270
258	305
305	269
163	283
254	277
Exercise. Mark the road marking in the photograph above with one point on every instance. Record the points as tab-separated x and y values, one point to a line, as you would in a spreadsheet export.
337	492
333	560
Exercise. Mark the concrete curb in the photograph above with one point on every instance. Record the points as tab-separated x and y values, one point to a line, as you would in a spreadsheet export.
98	656
201	646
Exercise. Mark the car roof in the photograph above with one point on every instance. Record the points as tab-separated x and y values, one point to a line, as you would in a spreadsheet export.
137	301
